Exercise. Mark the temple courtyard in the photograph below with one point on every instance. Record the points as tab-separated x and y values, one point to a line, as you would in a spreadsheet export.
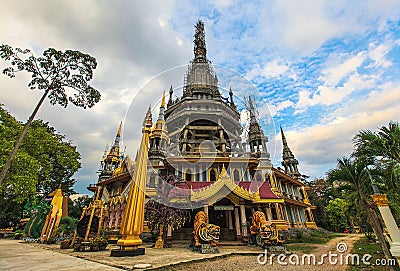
18	255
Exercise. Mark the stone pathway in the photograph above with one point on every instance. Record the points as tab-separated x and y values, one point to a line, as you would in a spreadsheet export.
16	255
22	256
250	263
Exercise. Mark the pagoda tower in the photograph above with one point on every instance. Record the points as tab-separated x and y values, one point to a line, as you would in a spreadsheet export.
289	162
159	137
256	138
112	160
201	123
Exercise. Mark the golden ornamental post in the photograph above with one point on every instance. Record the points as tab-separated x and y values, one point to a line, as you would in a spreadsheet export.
133	219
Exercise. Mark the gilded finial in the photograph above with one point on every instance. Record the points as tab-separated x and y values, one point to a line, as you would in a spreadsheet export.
163	99
119	129
148	119
223	170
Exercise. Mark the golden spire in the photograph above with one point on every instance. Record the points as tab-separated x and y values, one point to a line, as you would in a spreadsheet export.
148	120
119	129
133	219
163	99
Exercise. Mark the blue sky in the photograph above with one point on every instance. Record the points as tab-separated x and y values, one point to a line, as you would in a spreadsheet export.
322	69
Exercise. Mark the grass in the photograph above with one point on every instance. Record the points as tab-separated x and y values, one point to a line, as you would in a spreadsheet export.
314	237
364	246
304	248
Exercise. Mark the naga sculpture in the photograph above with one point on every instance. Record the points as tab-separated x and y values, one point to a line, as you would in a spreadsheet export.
203	232
263	232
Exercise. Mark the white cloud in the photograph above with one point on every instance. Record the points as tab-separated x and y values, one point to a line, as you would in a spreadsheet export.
338	82
378	55
333	74
303	26
275	109
319	146
270	69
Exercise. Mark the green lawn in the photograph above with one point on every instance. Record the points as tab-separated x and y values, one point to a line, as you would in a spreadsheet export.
303	248
315	237
364	246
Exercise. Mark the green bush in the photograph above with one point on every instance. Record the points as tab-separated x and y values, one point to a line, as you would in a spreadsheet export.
18	234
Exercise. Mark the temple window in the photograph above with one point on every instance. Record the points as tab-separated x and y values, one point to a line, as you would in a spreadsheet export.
258	177
274	212
236	176
188	175
308	217
213	175
204	176
152	180
302	194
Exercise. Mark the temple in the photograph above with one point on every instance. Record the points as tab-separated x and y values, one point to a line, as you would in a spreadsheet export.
199	161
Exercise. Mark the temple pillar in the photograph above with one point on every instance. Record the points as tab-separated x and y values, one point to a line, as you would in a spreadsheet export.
243	217
206	209
117	215
237	224
196	174
112	214
288	217
282	212
230	224
268	213
278	212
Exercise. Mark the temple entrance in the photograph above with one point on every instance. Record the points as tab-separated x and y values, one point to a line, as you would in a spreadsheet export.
222	214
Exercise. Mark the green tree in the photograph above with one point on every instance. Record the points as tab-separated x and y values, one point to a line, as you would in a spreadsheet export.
54	73
337	217
383	150
353	174
383	144
75	207
320	194
44	162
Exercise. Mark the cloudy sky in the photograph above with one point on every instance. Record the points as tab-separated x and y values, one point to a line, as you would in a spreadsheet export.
322	69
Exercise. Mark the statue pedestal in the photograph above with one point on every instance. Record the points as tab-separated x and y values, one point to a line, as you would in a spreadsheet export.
207	249
125	252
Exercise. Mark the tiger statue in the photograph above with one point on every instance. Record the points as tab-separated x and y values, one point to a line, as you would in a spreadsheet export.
204	232
263	231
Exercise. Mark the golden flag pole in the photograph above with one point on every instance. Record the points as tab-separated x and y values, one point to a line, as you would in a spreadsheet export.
132	222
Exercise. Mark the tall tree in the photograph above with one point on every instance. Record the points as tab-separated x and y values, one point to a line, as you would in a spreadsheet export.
54	73
75	207
382	147
320	193
337	209
44	162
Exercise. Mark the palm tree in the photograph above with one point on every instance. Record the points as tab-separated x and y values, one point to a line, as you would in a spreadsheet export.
383	144
353	174
383	149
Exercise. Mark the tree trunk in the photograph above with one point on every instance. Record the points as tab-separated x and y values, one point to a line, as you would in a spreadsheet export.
21	137
376	225
164	236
